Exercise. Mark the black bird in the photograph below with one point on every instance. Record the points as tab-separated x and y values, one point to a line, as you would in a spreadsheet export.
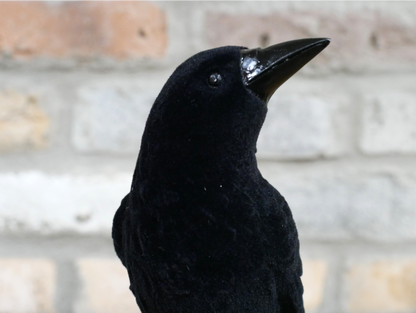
201	230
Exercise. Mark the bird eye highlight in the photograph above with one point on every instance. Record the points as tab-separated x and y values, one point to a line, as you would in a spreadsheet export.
215	79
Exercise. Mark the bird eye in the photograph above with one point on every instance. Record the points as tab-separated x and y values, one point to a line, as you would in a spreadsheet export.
214	79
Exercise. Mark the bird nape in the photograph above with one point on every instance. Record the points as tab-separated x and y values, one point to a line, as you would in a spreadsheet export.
201	230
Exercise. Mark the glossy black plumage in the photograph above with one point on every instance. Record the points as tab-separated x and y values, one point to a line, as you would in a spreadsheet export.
201	230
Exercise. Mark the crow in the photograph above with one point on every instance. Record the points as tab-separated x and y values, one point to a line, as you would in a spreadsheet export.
201	230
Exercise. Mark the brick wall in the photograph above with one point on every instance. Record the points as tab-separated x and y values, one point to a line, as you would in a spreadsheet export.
77	81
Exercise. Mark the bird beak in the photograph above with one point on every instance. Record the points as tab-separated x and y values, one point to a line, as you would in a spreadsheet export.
265	70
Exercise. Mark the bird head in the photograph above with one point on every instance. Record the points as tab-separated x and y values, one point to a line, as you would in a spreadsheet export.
214	104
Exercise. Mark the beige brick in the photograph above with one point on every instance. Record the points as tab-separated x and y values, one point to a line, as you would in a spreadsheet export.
105	287
313	279
26	286
83	29
359	39
382	286
388	122
297	126
89	206
23	124
115	125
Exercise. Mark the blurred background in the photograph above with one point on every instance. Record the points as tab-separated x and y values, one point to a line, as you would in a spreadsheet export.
77	80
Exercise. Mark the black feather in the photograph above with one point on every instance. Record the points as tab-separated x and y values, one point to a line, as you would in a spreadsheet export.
202	230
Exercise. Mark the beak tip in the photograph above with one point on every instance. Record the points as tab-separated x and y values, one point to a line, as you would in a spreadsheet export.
264	70
326	41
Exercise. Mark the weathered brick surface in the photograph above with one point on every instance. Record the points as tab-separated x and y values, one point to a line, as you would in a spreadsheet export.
111	118
297	126
82	29
381	286
313	279
60	203
360	39
349	204
389	124
339	147
105	287
23	124
27	286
